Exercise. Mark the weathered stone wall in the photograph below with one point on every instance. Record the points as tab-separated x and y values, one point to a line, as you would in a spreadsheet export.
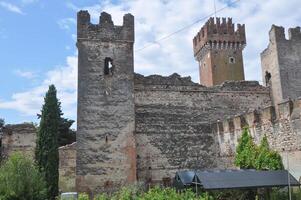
283	132
18	137
173	117
67	166
106	155
283	61
218	49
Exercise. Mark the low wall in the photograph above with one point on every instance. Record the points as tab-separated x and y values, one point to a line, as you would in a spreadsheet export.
67	165
283	132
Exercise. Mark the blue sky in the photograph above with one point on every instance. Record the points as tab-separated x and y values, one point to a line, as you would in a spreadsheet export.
37	43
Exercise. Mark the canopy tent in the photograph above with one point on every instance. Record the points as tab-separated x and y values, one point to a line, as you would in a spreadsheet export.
235	179
183	179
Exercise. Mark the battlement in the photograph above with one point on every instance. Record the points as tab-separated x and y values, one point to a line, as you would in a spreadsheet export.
105	30
279	128
220	34
277	33
285	109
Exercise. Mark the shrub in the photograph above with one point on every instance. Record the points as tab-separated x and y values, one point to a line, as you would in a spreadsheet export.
20	179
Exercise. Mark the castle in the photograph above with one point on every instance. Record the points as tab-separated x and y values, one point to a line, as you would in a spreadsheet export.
133	128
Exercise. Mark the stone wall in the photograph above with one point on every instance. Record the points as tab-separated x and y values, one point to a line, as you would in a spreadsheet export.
67	166
173	117
282	126
18	137
282	60
106	156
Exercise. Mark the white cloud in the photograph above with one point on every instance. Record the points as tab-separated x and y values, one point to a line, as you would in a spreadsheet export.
25	74
11	7
158	18
66	23
63	77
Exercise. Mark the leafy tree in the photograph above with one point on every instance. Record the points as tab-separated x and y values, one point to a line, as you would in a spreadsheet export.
246	151
267	159
66	134
47	155
20	179
2	123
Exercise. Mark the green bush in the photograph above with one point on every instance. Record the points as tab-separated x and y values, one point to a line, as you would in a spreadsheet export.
21	180
83	196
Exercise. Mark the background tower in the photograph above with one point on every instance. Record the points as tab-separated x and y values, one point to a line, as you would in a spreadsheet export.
281	64
106	153
218	49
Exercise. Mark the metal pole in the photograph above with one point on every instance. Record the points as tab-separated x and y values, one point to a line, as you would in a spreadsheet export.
288	177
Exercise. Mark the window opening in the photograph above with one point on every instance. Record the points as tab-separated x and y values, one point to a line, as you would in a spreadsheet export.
231	60
108	68
268	77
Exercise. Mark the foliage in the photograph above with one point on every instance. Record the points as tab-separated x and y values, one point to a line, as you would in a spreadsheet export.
246	151
156	193
250	156
2	123
83	196
47	155
267	159
20	179
66	134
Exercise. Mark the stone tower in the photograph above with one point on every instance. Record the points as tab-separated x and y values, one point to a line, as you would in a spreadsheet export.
218	49
281	64
106	152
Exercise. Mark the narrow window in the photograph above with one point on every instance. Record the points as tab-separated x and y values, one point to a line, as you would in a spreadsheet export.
106	139
231	60
268	77
108	68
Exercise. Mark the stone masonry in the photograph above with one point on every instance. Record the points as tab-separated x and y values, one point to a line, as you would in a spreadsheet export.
106	152
281	64
281	125
134	128
218	49
19	137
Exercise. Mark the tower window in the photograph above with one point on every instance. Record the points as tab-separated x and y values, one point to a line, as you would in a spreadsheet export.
108	68
231	60
268	77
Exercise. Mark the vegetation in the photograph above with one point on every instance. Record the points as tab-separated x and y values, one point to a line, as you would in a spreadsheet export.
2	123
155	193
250	156
47	155
20	179
66	134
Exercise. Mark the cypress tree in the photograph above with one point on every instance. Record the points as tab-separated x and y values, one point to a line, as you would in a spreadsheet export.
47	155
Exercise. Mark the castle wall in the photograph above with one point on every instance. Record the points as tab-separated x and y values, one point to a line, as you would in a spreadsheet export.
282	126
67	166
282	60
18	137
106	156
173	117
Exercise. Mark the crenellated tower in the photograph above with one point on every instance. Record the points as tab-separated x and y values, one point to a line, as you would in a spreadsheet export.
281	64
218	49
106	151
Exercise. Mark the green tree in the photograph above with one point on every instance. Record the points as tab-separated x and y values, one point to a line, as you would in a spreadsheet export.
20	179
267	159
47	155
66	134
246	151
